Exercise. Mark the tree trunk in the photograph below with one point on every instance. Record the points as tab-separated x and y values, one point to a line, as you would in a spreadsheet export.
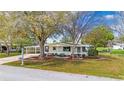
0	48
73	48
8	51
72	54
42	50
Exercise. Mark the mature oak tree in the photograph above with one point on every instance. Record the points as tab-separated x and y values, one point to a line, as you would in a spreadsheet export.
43	25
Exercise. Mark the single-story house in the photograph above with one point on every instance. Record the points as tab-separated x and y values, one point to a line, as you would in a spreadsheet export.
118	46
61	49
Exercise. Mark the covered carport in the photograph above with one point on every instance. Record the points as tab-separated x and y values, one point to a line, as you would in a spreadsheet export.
32	49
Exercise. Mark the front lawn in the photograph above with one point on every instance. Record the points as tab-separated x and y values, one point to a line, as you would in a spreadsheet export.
2	55
117	51
114	51
107	66
102	49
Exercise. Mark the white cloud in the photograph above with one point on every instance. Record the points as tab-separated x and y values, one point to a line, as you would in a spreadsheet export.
109	16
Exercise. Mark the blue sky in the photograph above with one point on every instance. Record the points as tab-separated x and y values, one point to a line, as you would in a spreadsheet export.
109	18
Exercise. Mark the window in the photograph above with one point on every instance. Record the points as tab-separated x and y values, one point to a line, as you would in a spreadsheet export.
54	48
84	49
78	49
67	49
46	49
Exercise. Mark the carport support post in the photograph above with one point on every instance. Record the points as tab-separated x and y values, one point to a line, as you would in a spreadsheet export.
26	51
35	50
22	59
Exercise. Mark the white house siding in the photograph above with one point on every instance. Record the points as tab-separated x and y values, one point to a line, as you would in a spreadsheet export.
59	50
81	52
118	47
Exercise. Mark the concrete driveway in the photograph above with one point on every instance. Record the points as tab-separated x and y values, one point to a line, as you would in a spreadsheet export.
10	73
15	58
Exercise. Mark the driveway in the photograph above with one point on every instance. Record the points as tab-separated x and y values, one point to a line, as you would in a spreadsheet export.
10	73
15	58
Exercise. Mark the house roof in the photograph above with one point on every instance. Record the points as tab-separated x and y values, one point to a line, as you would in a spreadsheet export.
59	44
66	44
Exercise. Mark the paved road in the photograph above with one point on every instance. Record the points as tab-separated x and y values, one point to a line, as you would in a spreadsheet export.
9	73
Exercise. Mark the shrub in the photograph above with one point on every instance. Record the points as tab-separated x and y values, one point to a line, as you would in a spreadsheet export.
92	52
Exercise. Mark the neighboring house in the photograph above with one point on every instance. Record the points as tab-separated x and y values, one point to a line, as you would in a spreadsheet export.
118	46
61	49
2	47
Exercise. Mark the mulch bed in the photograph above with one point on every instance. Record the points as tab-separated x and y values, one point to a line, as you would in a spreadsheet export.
38	59
68	59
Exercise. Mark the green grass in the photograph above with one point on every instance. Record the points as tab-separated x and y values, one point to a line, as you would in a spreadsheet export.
112	66
114	51
102	48
2	55
117	51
